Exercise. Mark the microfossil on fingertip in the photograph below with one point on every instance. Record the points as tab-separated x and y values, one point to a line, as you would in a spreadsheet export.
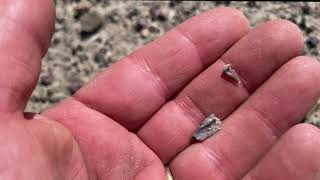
210	126
229	71
168	173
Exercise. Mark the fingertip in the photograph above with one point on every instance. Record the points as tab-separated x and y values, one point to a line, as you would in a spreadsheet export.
305	139
234	14
287	33
35	16
306	70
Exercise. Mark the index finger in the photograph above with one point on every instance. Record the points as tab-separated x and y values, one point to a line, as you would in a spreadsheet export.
133	89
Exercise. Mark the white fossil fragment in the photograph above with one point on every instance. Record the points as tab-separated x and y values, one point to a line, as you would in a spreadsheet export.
210	126
230	72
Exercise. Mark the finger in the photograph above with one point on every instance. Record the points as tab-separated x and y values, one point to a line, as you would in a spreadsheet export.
136	86
294	157
26	31
248	133
254	57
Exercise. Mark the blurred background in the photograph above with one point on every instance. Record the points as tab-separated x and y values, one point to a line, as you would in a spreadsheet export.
92	34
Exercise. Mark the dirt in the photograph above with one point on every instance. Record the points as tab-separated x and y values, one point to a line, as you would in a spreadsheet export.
92	34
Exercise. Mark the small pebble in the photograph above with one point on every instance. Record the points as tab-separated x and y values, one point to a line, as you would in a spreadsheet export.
141	24
158	13
312	42
132	13
90	23
114	16
81	9
252	4
306	9
174	3
145	33
47	79
99	58
74	86
154	29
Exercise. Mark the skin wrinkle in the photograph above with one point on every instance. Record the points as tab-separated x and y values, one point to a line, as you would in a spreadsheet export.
78	172
11	86
13	94
193	111
139	163
267	122
160	83
54	131
190	41
38	41
186	34
222	165
66	115
23	63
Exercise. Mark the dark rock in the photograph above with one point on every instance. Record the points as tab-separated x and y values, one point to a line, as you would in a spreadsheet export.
302	24
158	13
141	24
227	3
80	10
306	9
252	4
114	16
74	86
315	53
47	79
292	19
174	3
99	58
153	29
103	50
56	41
107	62
98	40
83	58
312	42
78	13
74	64
133	13
90	24
50	93
309	30
75	50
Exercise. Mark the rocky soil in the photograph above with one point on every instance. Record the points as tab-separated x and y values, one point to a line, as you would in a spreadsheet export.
92	34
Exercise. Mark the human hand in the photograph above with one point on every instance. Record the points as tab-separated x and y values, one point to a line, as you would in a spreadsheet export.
141	112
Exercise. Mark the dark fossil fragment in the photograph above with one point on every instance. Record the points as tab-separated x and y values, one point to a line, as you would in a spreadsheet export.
231	73
208	127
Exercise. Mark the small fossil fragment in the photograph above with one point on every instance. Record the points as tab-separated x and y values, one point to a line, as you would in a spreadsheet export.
208	127
230	72
168	173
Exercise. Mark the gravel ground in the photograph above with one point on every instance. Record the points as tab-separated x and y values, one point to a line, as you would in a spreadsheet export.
92	34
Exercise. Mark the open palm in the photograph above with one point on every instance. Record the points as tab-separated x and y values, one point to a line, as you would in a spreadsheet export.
139	115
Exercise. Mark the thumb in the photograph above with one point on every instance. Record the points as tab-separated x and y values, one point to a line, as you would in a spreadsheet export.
26	30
